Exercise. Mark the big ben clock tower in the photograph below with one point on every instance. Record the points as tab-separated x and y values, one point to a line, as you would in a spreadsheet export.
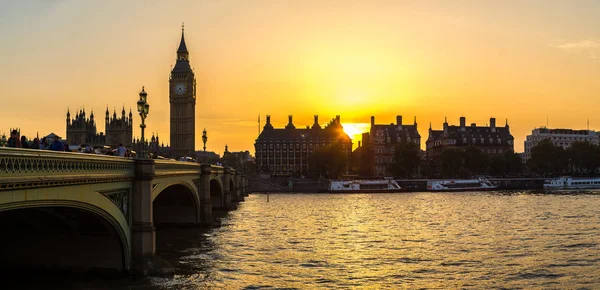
182	97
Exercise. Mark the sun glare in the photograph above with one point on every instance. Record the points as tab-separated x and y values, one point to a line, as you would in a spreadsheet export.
355	130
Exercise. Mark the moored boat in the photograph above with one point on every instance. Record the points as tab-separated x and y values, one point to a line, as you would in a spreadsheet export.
567	182
364	186
479	184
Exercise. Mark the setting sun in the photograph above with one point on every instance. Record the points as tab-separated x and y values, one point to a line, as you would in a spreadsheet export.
355	130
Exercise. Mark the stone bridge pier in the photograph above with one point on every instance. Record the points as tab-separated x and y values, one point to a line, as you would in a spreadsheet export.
89	211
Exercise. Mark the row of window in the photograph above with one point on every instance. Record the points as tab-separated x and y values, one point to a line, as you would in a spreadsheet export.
473	141
540	138
291	146
383	159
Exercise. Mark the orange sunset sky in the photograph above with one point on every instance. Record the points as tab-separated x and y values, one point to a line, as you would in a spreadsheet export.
525	61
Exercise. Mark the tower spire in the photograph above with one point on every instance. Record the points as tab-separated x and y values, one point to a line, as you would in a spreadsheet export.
182	47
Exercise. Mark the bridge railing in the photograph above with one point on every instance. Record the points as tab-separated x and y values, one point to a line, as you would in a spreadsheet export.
217	169
170	167
22	168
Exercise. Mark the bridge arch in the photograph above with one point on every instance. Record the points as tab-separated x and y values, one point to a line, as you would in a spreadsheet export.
175	203
72	229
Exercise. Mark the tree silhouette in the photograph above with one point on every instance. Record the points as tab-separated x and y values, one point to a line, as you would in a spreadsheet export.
329	162
406	159
548	159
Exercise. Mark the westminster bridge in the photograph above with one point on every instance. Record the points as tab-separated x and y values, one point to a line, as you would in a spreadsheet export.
74	210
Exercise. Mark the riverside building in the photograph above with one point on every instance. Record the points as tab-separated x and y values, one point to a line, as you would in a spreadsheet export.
287	151
492	140
383	138
559	137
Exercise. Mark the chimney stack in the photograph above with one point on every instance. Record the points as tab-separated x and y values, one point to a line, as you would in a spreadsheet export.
463	121
316	119
268	119
492	122
372	120
290	125
398	120
358	143
337	119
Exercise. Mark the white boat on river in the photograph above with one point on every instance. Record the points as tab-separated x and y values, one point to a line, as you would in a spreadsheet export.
364	186
479	184
567	182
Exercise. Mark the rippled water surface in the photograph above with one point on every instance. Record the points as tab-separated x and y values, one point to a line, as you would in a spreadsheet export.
411	240
414	240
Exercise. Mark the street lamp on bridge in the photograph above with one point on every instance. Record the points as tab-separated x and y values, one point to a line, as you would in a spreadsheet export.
204	138
143	108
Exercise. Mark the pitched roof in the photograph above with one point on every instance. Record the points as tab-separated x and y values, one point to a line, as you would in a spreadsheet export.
182	66
302	133
457	133
394	132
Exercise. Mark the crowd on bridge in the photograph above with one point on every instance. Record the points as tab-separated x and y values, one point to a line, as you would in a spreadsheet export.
53	143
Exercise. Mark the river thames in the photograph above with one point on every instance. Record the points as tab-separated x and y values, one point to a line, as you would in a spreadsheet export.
407	240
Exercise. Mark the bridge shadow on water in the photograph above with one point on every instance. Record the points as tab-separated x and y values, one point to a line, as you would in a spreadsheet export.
40	239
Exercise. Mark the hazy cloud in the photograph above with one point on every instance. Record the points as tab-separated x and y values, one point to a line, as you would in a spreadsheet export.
583	44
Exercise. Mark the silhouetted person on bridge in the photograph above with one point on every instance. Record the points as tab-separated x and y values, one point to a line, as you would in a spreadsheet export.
35	144
57	145
24	143
121	150
13	141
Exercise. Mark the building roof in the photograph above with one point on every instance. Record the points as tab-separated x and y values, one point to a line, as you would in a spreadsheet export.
182	66
544	130
302	133
333	130
457	133
394	131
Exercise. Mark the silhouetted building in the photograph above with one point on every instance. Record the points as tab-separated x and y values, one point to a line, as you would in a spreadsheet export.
119	130
182	97
209	157
82	130
287	151
383	139
489	139
559	137
237	160
154	146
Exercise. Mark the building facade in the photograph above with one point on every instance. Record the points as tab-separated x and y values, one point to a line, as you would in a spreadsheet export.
83	130
384	138
489	139
182	99
287	151
119	130
559	137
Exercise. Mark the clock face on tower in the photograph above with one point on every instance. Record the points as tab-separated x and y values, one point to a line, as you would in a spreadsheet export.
180	88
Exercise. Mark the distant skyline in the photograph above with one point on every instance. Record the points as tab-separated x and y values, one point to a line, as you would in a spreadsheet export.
524	61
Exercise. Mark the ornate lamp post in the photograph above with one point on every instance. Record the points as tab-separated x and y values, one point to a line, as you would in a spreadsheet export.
204	138
143	108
